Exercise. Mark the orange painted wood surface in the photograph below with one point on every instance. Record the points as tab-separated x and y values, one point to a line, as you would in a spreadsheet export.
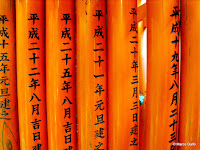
162	74
123	90
91	74
189	99
31	74
60	66
142	12
9	137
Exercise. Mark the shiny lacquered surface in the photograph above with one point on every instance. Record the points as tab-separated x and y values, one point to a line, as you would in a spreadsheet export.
60	75
9	127
91	74
123	90
189	130
31	74
162	74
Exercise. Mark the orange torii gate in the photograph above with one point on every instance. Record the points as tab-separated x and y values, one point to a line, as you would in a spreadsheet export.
123	90
162	74
9	127
91	74
189	95
30	27
60	74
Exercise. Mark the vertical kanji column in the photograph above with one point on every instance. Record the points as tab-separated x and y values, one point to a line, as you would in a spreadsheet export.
189	99
162	74
60	66
123	90
9	130
31	74
91	74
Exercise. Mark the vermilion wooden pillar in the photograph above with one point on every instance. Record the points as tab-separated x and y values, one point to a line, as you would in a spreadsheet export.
31	74
162	74
9	130
60	66
91	74
189	101
123	90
